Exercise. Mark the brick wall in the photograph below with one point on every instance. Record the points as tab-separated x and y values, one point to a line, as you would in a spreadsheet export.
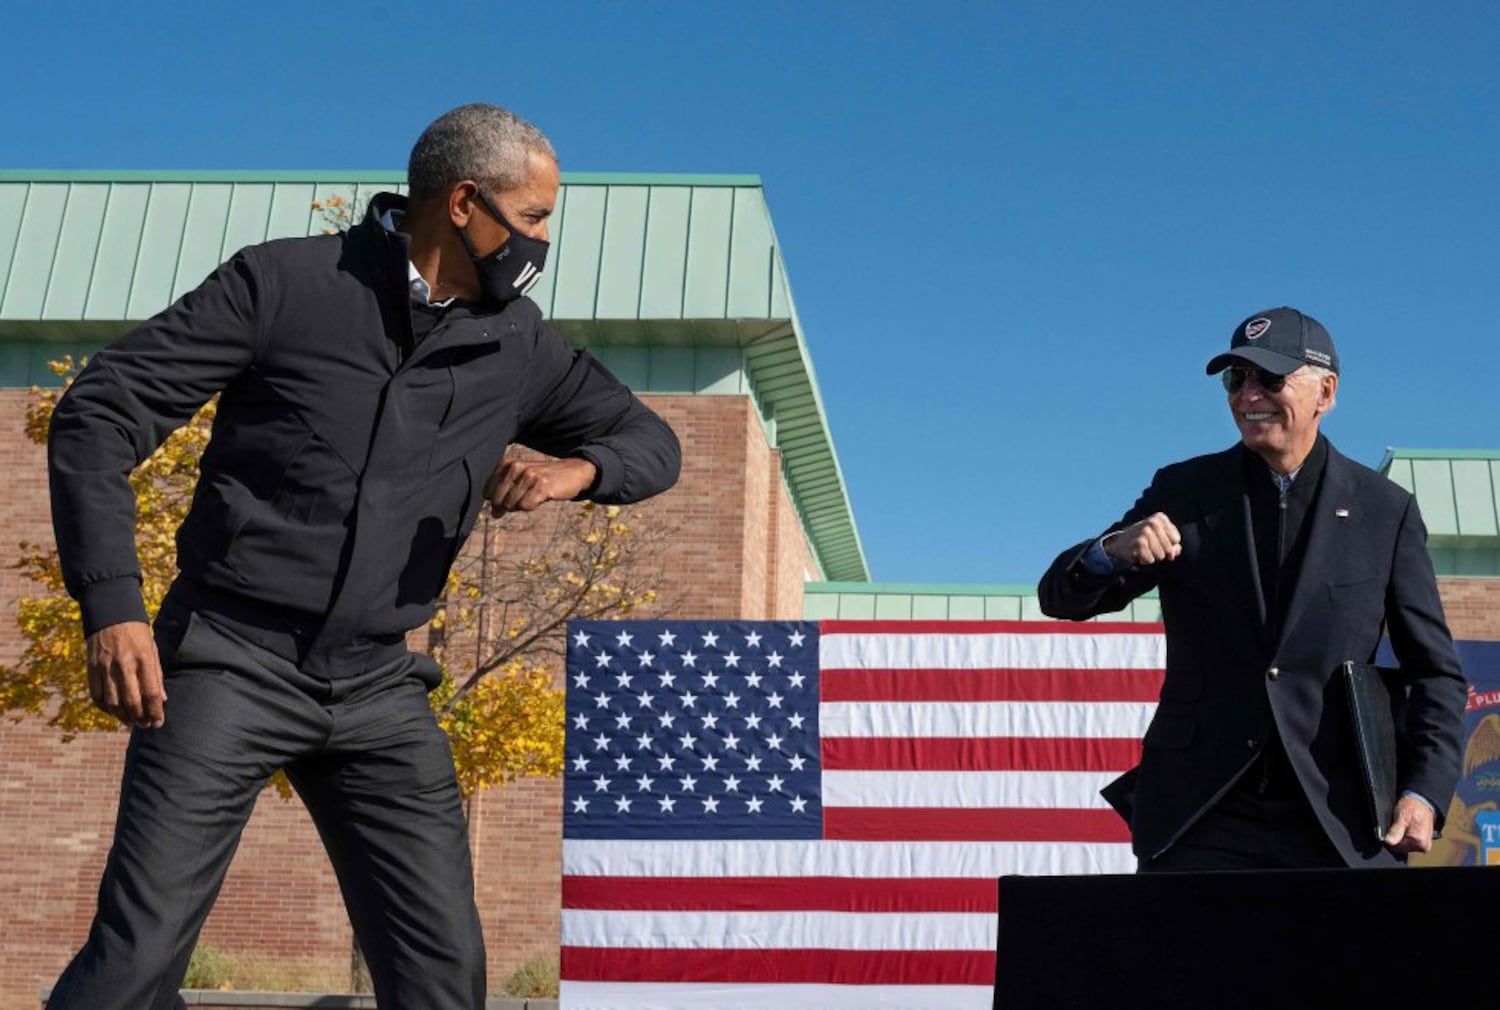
1472	607
738	548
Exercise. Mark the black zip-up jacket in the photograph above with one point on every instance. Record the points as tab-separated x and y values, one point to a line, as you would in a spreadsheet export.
347	462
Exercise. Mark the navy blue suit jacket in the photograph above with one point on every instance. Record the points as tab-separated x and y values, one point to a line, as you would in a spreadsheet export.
1228	682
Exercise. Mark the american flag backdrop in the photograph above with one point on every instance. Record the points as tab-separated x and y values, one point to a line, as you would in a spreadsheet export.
814	815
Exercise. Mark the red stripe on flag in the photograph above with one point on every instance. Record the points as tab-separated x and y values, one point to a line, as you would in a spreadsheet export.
781	894
1026	754
990	685
1090	629
993	824
835	967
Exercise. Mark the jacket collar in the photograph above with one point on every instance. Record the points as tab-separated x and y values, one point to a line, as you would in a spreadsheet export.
386	253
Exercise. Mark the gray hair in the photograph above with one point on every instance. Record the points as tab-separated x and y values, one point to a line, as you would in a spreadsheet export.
1317	373
482	142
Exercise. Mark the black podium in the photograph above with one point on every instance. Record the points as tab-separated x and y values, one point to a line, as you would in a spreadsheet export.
1284	939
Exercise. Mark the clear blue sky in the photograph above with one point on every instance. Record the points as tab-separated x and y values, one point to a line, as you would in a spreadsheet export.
1015	231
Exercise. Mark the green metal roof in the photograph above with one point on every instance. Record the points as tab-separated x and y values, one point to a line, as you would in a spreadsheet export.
1458	491
637	261
901	601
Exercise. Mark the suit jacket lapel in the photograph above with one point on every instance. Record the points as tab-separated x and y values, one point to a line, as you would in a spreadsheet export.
1328	526
1226	521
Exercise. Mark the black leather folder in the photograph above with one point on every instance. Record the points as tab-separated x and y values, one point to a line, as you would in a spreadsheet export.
1368	690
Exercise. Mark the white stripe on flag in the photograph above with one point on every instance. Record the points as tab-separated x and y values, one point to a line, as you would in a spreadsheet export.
731	996
964	789
805	930
1066	720
898	860
1070	651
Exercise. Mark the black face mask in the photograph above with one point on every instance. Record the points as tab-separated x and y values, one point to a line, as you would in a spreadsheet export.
511	270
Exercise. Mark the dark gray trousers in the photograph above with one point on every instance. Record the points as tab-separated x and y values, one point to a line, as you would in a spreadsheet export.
375	771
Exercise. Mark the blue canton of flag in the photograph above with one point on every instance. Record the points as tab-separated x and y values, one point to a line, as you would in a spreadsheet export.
692	729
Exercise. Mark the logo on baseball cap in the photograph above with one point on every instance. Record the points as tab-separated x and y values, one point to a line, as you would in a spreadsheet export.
1280	341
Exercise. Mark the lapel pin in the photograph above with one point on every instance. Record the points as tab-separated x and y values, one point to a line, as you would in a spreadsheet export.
1341	513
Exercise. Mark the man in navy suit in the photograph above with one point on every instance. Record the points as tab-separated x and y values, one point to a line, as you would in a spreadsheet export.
1276	561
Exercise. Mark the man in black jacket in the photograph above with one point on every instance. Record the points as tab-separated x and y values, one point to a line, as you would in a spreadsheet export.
369	384
1276	561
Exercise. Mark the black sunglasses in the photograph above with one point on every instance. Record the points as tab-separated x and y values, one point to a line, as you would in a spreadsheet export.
1234	379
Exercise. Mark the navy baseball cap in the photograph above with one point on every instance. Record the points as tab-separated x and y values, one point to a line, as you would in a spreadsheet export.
1280	341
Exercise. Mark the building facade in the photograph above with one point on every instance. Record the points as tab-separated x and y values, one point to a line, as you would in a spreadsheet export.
677	284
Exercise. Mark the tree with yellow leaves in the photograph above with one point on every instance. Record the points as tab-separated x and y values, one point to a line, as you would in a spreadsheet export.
497	631
51	678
